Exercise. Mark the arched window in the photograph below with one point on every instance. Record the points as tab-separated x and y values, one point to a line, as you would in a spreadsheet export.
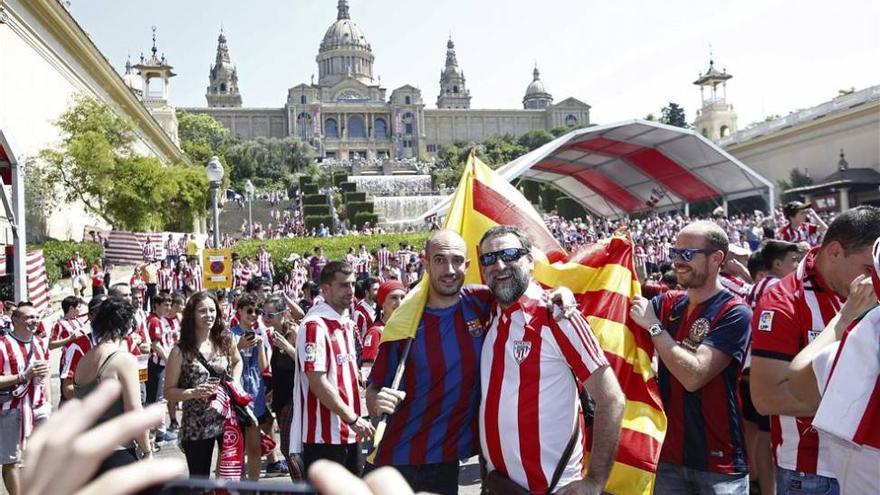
408	123
303	126
571	120
455	89
302	99
331	128
356	128
725	131
222	87
380	129
407	100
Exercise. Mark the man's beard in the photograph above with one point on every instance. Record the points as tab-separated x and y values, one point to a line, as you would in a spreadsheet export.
694	280
508	291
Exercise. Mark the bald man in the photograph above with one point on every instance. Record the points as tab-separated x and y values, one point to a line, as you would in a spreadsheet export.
701	335
434	424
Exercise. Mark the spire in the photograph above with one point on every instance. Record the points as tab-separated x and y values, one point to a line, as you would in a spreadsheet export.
451	60
128	64
842	164
342	10
154	49
536	75
222	49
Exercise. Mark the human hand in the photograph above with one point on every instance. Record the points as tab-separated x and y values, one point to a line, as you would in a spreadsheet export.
564	298
330	478
363	428
861	297
245	343
204	390
586	486
40	368
66	448
642	312
387	400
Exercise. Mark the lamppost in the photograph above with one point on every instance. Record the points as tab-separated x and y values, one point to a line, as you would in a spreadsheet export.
214	171
249	192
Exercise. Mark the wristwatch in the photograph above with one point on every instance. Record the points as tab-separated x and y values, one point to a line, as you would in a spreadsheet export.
655	330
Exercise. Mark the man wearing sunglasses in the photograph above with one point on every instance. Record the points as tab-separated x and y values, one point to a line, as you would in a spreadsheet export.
701	336
532	367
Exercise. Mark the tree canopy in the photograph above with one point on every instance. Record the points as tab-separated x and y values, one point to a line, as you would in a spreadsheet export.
673	114
95	164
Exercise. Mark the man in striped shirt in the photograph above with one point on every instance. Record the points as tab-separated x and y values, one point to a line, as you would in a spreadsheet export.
365	309
24	371
799	229
264	264
383	257
328	418
532	367
701	337
789	317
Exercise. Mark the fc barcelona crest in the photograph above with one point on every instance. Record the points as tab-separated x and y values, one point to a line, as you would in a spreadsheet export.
521	350
475	327
696	334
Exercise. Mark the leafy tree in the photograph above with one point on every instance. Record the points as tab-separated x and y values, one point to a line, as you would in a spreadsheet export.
796	178
268	162
559	131
95	164
651	117
535	138
202	137
674	115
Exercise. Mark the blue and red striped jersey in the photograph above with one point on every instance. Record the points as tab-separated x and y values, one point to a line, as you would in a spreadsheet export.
705	428
437	421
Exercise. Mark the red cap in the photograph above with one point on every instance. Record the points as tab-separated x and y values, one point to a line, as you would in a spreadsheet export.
387	288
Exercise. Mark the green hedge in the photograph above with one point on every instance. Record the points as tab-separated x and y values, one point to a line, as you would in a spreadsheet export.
303	180
309	189
315	199
348	187
56	254
364	216
334	247
568	208
352	208
355	196
316	220
339	178
310	210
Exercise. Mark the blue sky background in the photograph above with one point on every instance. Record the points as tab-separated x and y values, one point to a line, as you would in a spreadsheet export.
626	58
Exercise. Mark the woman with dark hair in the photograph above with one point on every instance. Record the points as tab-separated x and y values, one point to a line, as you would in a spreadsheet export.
203	337
110	360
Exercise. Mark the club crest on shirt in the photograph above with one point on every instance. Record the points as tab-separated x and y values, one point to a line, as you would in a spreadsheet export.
521	350
765	321
311	353
697	333
475	327
812	334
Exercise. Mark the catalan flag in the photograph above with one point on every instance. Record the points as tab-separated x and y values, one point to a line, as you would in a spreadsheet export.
603	280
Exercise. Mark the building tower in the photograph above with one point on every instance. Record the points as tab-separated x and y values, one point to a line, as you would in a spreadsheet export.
453	91
344	52
536	98
223	79
132	80
155	76
716	118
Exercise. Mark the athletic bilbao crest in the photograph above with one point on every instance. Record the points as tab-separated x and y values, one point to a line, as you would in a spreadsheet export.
521	350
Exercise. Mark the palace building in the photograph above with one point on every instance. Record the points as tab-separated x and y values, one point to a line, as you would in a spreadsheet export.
347	114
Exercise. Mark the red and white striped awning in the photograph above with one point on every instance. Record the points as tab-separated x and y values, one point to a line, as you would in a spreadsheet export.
619	169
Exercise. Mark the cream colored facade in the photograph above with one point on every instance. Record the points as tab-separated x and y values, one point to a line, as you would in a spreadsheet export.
45	59
811	139
347	114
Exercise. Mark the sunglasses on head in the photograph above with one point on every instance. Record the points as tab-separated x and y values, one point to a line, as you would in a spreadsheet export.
506	255
687	254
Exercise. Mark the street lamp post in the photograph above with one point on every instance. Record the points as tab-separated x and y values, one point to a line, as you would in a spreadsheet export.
249	192
214	171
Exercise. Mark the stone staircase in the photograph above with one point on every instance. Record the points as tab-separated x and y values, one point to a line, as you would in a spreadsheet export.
232	217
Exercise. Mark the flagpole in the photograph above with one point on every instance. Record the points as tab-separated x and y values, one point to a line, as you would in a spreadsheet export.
395	385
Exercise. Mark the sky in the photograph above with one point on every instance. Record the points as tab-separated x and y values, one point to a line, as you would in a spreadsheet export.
626	58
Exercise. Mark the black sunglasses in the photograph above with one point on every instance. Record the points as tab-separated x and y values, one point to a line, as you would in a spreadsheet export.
252	311
687	254
507	255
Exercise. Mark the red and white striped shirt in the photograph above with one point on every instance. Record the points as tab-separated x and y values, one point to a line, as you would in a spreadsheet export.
531	368
325	344
161	332
402	258
364	314
789	316
806	232
166	279
28	396
384	258
64	329
243	276
735	285
758	289
76	267
264	262
73	353
364	263
196	278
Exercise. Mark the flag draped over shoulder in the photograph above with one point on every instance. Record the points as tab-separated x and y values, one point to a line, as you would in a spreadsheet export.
603	280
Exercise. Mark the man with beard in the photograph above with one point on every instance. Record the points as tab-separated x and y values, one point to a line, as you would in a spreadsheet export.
701	336
532	367
435	424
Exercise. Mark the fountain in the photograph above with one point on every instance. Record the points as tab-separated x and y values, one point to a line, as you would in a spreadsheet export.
398	197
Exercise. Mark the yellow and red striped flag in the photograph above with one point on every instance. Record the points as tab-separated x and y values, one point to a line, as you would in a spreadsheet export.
603	280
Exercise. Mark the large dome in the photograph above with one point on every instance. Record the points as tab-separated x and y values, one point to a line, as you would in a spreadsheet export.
344	33
344	51
536	87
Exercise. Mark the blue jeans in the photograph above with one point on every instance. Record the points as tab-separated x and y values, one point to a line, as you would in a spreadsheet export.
795	483
679	480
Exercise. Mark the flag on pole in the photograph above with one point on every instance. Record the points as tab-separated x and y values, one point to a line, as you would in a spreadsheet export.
603	280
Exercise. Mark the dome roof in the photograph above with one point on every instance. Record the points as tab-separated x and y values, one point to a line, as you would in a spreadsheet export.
344	33
536	87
